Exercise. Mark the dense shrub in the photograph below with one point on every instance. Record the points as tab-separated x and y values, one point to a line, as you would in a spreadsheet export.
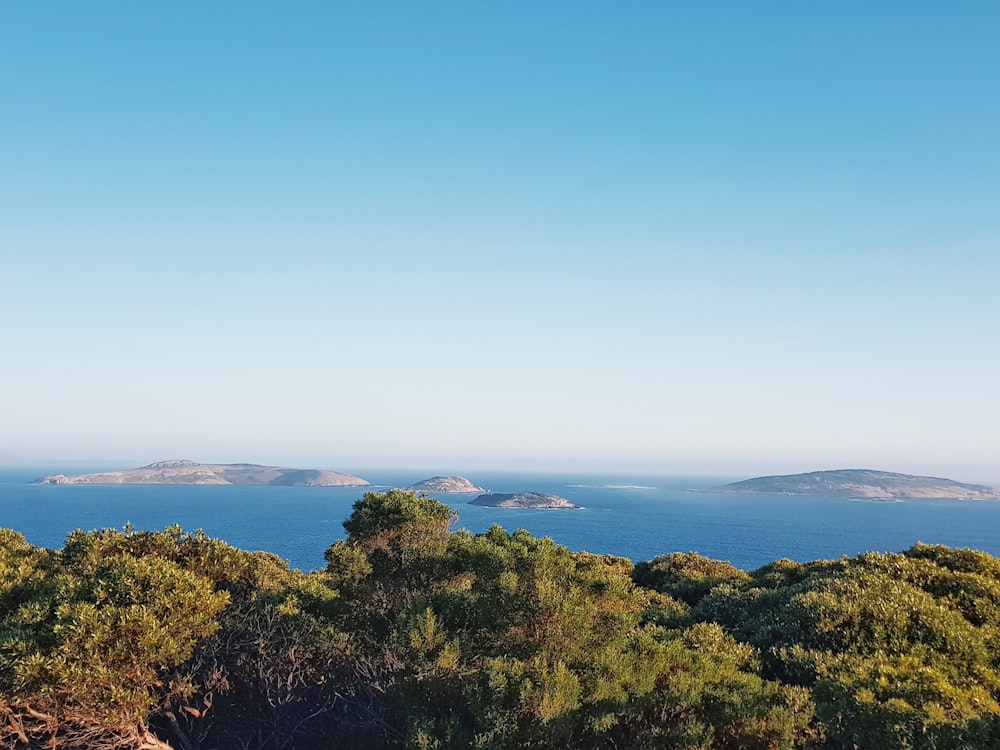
418	636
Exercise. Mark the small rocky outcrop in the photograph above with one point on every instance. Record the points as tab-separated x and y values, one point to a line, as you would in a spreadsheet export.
445	486
537	500
192	472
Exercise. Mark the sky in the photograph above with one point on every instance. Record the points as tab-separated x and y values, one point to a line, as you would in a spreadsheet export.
715	237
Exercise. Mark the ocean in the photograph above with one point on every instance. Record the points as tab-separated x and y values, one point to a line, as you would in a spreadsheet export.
637	517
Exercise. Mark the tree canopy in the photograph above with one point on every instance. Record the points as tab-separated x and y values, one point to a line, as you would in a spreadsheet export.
417	635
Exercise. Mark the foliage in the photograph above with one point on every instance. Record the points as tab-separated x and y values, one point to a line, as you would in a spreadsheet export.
419	636
687	577
87	636
899	650
502	640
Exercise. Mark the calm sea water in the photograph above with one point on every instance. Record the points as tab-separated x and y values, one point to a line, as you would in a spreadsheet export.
633	516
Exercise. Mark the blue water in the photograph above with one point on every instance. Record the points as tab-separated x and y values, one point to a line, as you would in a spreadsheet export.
634	516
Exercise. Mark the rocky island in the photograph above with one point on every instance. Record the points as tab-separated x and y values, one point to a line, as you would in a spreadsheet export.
445	486
192	472
861	483
536	500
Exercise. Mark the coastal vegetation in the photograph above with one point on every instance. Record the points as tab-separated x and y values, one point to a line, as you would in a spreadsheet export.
420	635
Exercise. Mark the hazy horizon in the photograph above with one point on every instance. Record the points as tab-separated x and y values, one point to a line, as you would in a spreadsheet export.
733	469
754	240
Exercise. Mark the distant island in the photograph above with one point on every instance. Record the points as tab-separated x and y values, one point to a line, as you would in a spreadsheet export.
863	483
535	500
192	472
445	485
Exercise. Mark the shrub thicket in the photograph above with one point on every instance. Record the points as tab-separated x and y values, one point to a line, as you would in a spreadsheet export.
419	636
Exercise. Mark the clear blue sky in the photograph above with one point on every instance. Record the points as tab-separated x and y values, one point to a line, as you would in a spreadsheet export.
677	237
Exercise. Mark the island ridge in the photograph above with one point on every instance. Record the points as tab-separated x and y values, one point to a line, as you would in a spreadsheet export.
192	472
863	483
